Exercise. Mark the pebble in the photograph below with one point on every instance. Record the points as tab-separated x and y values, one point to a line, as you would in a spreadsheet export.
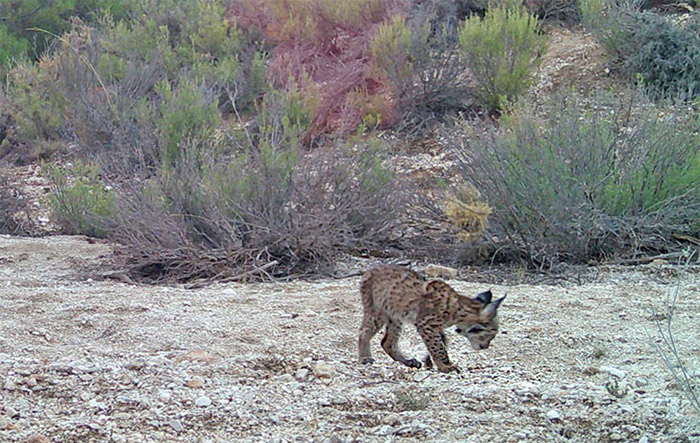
301	374
38	438
94	403
613	371
197	356
438	271
164	395
323	370
553	415
203	401
195	382
176	425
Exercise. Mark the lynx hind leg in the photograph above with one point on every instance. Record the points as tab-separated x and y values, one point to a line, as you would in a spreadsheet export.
436	342
390	344
370	326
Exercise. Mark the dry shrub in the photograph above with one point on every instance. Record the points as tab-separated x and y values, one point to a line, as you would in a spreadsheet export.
617	180
14	217
212	217
325	43
467	211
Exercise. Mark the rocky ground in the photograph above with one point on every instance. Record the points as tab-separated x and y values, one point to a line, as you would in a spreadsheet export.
87	359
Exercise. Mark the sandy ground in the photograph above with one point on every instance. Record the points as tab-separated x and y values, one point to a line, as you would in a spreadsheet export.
86	359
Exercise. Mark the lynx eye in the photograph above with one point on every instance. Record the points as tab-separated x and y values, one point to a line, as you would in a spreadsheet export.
458	331
475	330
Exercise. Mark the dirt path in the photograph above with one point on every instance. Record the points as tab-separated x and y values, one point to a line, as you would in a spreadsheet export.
84	360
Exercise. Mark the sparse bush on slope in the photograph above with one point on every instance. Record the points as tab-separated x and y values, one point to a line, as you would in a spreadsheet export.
660	52
501	50
587	183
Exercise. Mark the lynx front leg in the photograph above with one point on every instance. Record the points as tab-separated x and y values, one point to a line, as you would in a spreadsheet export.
390	343
427	361
370	326
434	340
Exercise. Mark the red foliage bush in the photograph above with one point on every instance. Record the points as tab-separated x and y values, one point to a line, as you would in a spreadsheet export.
323	45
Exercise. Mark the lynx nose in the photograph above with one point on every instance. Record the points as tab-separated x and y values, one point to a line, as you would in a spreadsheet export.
483	346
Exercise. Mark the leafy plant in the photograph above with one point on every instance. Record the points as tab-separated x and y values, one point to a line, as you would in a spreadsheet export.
501	51
586	183
79	200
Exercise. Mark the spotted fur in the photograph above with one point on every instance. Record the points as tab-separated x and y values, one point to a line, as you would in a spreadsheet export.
393	295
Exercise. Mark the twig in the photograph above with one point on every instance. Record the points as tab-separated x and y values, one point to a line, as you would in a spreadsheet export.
202	284
649	259
670	355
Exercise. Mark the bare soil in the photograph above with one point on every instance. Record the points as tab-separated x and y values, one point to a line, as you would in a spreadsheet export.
86	359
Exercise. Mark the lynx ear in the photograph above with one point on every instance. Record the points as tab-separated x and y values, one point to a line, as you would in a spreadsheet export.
484	297
490	310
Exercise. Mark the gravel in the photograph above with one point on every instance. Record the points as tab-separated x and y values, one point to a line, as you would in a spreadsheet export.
86	359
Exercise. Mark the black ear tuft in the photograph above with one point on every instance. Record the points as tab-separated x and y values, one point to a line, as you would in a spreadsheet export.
484	297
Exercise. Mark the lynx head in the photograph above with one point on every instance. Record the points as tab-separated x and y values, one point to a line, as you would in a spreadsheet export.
481	332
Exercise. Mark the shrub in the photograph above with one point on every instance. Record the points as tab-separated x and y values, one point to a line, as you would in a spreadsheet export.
417	59
661	53
29	26
501	50
79	200
323	46
13	203
223	210
30	112
586	184
664	55
565	11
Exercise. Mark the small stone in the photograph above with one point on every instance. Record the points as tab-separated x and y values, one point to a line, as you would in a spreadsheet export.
613	371
31	382
323	370
392	420
136	365
203	401
644	439
38	438
301	374
11	412
616	437
439	271
195	382
553	415
197	356
94	403
164	395
9	385
176	425
641	382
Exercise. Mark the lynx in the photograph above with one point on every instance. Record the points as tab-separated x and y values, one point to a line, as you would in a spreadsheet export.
392	296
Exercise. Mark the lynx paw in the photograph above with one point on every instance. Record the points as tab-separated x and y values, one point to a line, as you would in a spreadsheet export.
448	369
367	361
412	363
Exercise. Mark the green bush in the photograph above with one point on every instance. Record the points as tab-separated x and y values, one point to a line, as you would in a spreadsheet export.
660	53
29	26
501	50
260	198
587	183
80	202
186	113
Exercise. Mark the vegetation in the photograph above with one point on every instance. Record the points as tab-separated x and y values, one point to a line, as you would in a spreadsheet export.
586	184
661	53
214	138
501	50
